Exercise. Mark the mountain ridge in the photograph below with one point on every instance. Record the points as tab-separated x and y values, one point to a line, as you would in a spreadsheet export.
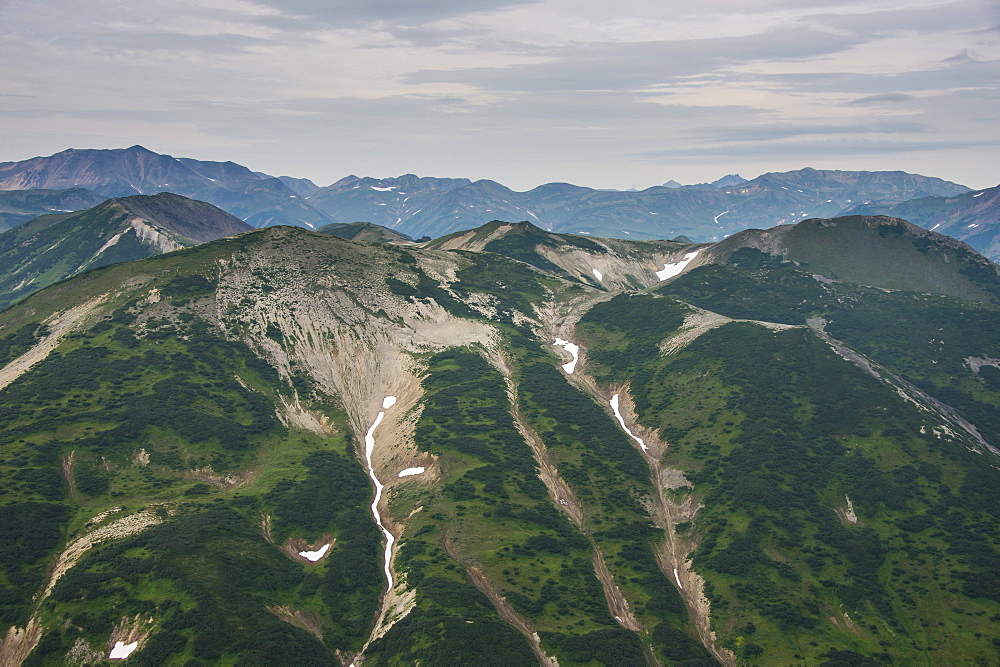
865	251
283	446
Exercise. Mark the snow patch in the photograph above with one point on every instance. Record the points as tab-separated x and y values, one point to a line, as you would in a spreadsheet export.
935	226
122	650
387	403
980	194
598	275
719	216
671	270
410	471
618	414
388	189
573	350
315	555
678	579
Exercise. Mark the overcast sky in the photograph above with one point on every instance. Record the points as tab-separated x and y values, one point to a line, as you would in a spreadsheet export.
597	93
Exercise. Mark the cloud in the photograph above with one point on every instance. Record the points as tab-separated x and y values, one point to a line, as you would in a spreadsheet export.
935	18
634	66
961	57
767	132
306	14
176	42
930	77
811	151
475	88
879	99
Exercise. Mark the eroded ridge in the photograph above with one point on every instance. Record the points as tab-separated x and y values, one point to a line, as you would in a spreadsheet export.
478	579
58	325
563	498
19	642
906	390
671	506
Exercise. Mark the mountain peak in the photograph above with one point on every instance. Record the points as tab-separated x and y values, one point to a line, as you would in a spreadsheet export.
728	180
50	248
877	251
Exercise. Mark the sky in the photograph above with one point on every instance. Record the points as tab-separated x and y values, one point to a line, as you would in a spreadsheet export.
602	94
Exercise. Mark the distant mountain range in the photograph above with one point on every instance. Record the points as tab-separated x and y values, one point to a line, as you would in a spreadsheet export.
729	179
421	206
435	207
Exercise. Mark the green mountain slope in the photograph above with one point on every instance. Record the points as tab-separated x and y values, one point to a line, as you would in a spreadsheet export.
54	247
972	217
287	447
876	251
839	520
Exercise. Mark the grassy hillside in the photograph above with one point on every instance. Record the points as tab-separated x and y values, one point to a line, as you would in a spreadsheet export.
875	251
836	523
